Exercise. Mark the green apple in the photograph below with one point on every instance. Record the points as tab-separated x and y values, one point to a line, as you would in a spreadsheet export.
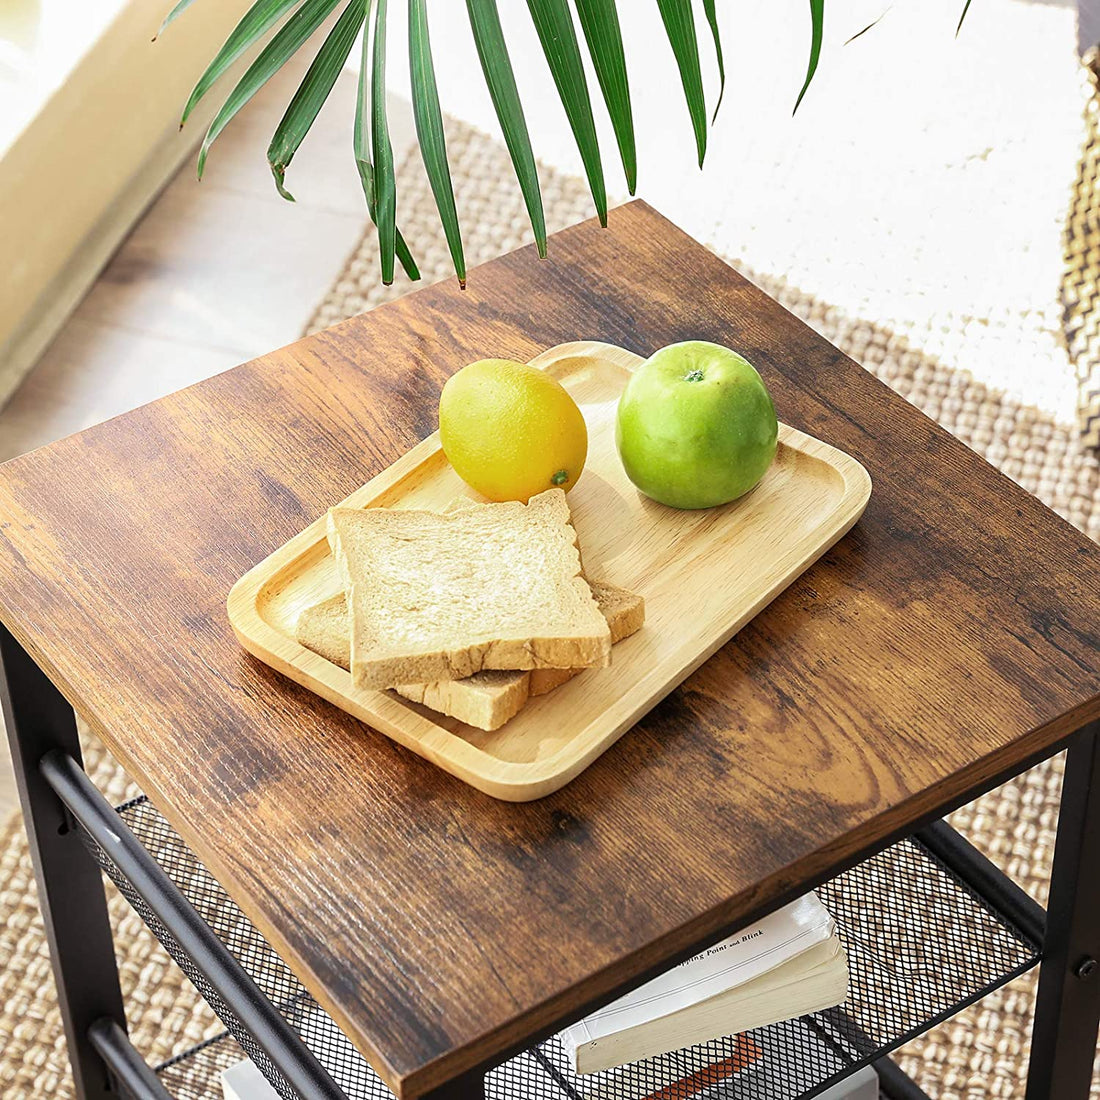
696	426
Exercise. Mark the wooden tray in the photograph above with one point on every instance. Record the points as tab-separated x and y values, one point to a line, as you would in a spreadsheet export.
703	574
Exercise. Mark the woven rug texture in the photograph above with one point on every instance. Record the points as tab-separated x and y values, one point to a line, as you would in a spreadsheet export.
1081	283
982	1052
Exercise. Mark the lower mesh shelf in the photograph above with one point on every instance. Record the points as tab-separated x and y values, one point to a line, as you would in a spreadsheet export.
921	945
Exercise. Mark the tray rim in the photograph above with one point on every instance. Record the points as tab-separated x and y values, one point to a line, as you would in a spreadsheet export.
513	781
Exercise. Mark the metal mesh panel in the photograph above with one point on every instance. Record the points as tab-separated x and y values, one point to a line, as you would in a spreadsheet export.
921	945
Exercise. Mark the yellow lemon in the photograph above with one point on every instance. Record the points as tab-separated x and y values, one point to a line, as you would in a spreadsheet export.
510	430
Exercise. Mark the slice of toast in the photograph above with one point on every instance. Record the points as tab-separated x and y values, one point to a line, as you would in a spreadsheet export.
440	597
487	699
625	614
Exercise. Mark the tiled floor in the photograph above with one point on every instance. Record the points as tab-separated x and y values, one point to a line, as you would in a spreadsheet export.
214	274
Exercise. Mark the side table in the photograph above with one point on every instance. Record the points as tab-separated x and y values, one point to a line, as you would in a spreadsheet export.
362	921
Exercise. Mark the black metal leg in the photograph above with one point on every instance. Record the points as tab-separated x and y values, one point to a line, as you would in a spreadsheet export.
70	889
894	1083
1067	1010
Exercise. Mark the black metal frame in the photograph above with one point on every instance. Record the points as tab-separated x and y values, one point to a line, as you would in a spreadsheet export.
126	1065
290	1056
895	1084
70	886
1067	1006
56	793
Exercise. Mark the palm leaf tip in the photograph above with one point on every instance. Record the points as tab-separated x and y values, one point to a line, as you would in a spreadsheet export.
966	8
559	44
716	35
817	17
870	26
406	258
679	21
497	67
172	16
429	131
318	82
278	172
600	23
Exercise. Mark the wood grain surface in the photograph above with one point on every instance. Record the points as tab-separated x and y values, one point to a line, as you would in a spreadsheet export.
949	638
703	575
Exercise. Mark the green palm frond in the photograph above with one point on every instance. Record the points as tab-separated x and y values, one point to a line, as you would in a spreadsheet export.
553	22
254	24
429	131
312	92
554	25
362	147
817	34
287	41
679	22
501	80
600	23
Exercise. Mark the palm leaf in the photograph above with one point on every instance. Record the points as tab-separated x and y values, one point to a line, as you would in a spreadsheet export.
385	189
173	15
272	57
870	26
361	140
712	19
680	27
312	92
429	131
501	80
817	16
600	23
966	8
559	43
255	22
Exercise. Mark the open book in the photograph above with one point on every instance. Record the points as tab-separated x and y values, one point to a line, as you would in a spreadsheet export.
789	964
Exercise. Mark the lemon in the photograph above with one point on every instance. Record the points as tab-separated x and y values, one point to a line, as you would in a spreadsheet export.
510	430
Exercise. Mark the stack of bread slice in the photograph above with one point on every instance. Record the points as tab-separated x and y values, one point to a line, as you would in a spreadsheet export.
469	611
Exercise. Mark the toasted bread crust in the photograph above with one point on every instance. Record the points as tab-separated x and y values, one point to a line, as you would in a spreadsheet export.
487	699
433	597
625	614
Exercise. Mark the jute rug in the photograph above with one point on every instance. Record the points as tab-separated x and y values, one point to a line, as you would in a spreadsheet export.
982	1052
1081	283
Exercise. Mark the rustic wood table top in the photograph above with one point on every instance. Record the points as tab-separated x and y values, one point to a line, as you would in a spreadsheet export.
949	640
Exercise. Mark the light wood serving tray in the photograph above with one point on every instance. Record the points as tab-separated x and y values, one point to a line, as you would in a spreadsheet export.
703	574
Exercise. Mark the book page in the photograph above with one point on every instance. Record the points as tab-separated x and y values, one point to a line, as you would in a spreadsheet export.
731	962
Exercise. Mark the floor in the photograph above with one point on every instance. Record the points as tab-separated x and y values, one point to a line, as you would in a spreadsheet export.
215	273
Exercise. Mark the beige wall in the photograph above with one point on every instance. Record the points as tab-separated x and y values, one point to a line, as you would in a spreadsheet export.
83	169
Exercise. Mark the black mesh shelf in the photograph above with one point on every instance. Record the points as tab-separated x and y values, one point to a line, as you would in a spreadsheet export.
921	944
